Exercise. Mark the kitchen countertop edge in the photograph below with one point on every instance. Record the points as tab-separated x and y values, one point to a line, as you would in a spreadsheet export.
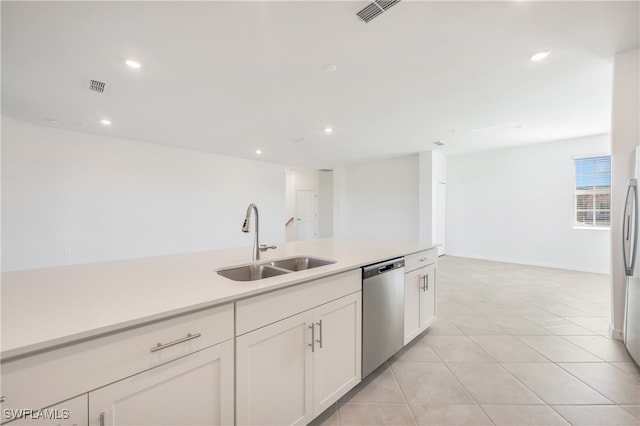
266	285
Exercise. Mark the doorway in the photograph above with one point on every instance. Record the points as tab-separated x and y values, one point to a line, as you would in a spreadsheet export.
309	204
306	214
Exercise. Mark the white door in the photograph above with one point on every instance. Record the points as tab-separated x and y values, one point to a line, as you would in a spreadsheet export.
412	304
337	350
307	214
194	390
441	218
275	372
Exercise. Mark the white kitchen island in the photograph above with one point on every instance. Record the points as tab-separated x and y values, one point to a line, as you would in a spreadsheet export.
80	328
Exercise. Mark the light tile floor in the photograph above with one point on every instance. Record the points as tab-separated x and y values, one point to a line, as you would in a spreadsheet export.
512	345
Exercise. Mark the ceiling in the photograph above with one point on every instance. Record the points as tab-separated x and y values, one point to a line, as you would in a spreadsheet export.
232	77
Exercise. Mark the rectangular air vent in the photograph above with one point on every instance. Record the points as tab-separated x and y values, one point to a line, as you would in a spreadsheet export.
375	8
97	86
387	4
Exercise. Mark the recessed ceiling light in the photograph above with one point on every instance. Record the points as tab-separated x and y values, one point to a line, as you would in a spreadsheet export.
258	151
538	56
328	130
329	68
105	122
133	64
439	143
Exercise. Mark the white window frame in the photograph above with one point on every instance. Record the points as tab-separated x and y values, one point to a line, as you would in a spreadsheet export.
582	226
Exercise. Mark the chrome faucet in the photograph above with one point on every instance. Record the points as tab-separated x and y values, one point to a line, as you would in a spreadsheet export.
257	247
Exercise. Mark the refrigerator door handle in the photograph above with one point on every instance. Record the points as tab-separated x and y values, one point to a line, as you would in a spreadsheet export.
630	227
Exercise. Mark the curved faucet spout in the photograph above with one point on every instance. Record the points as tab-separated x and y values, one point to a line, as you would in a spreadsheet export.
246	228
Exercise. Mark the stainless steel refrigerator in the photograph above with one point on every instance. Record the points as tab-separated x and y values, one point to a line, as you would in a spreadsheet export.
630	248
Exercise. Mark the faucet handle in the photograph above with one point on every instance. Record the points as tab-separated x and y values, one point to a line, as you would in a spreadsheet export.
264	247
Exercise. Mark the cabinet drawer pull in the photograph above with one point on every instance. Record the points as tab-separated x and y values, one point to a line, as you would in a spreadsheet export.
320	340
188	337
102	418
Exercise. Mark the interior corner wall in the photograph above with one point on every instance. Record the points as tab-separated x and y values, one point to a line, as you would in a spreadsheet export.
625	136
71	197
516	205
378	199
325	204
433	170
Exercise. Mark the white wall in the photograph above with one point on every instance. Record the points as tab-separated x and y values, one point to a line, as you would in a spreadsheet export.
433	170
516	205
378	199
625	136
70	197
325	204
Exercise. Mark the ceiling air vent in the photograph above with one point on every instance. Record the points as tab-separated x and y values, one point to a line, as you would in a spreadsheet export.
97	86
375	8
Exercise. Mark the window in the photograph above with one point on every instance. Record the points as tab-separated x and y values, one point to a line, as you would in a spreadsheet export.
592	200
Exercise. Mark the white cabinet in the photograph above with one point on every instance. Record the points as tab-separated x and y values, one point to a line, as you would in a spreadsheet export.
274	374
46	378
291	370
193	390
419	293
68	413
337	350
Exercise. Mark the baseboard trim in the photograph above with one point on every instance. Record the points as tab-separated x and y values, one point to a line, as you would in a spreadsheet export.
615	334
532	263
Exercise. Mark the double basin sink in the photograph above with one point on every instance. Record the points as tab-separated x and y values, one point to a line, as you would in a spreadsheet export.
273	268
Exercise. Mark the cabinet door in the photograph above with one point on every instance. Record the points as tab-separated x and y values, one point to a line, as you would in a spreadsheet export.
193	390
428	297
275	372
413	299
69	413
337	350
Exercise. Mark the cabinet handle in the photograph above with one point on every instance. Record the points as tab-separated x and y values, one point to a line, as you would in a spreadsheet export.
102	418
422	278
426	280
313	337
320	340
3	398
188	337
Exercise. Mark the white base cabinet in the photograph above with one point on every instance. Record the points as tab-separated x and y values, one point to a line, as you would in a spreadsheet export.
419	293
193	390
290	371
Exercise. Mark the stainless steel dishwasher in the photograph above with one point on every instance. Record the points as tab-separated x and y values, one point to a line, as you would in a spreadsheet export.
382	312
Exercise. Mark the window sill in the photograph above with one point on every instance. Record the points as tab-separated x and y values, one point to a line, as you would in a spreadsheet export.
593	228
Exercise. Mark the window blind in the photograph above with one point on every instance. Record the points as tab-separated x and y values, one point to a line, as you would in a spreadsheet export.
592	195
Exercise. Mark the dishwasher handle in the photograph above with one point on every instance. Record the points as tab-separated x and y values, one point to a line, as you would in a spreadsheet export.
382	267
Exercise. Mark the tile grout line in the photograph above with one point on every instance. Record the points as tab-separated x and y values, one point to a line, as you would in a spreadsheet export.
458	380
404	397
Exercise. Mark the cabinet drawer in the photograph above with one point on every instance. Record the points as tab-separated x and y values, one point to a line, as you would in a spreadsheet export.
45	378
420	259
265	309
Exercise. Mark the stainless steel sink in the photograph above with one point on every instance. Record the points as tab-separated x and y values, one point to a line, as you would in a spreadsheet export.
301	263
251	272
272	269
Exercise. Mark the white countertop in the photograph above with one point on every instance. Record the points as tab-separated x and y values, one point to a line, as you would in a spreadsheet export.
42	308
